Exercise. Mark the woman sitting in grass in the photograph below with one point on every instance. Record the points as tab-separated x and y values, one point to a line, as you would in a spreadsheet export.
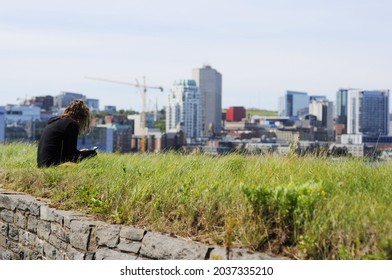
59	138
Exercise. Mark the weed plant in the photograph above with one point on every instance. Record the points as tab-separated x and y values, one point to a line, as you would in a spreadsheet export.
301	207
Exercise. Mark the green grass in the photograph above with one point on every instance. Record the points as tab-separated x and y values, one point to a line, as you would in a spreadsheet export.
261	112
301	207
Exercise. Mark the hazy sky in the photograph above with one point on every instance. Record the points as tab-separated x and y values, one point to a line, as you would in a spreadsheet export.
262	48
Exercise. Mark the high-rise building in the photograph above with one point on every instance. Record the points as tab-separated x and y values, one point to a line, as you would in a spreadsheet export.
65	98
294	104
368	112
183	112
323	110
209	82
341	110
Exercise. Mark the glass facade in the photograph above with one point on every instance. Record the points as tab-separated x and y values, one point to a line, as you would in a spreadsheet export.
368	112
341	106
294	104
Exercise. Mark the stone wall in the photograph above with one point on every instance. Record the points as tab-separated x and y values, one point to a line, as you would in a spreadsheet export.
31	230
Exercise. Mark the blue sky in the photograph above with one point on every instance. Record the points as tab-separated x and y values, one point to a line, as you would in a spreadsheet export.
261	48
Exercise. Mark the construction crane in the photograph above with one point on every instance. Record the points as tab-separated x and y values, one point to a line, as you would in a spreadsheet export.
143	91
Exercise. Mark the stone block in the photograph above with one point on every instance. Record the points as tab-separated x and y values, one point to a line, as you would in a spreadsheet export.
28	203
3	229
43	230
59	232
13	246
89	256
20	220
108	235
132	233
80	234
7	216
129	246
36	256
3	242
73	254
4	255
32	223
30	254
25	254
162	247
27	238
109	254
50	251
13	233
39	246
7	201
66	217
46	213
57	242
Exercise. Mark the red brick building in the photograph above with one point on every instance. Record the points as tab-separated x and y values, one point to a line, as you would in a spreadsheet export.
235	114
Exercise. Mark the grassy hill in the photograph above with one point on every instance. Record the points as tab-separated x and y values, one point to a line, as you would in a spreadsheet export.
301	207
260	112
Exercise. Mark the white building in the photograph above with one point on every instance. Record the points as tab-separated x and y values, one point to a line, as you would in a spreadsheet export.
323	110
2	124
209	82
183	112
137	123
15	114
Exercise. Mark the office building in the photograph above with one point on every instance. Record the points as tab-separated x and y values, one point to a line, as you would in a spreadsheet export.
44	102
368	112
341	111
93	104
323	110
294	104
17	114
65	98
235	114
183	112
209	82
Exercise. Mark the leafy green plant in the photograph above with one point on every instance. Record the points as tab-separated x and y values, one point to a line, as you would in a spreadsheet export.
286	208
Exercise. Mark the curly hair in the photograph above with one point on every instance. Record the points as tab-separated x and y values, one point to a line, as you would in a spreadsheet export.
80	113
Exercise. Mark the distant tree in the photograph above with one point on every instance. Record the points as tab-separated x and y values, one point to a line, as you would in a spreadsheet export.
161	125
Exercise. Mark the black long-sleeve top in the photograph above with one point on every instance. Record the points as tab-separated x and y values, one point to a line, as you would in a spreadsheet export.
58	143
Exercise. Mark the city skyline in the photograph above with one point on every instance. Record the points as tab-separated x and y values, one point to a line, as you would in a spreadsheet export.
261	48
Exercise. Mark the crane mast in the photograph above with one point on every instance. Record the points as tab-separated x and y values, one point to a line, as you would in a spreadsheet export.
143	91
